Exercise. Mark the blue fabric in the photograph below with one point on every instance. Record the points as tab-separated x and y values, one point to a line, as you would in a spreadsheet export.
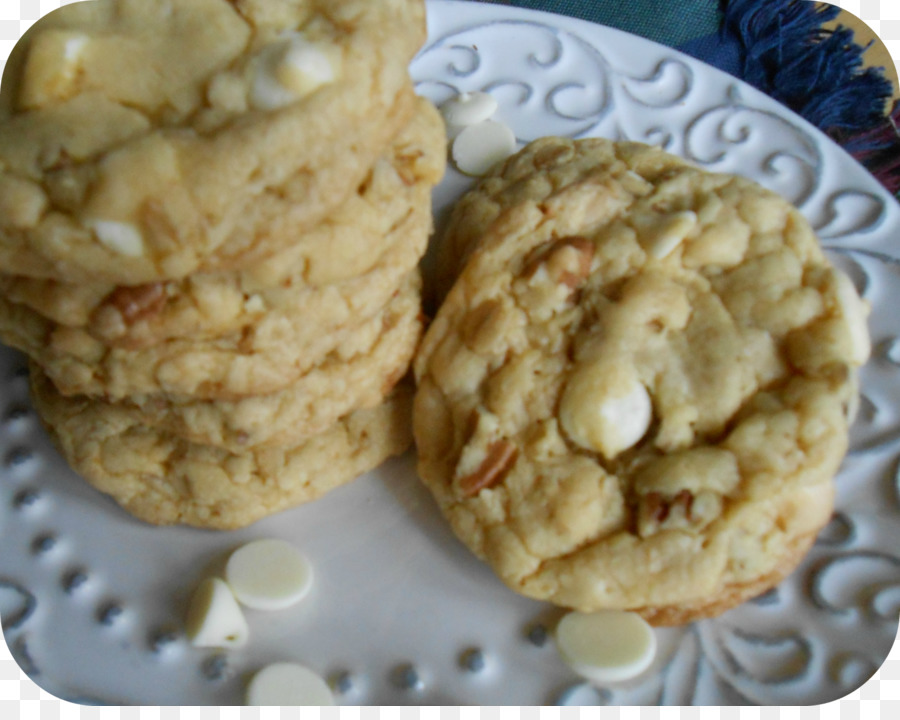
670	22
778	46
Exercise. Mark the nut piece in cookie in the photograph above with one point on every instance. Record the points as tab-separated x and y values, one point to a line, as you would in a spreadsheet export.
497	462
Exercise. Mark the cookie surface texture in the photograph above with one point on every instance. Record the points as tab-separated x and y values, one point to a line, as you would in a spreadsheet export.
635	396
164	480
379	355
270	355
349	262
142	141
532	175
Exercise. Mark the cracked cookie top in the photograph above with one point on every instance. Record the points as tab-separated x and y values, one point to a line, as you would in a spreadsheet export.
636	394
134	136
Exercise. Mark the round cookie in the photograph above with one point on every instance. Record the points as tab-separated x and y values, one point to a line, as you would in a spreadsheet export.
142	141
635	395
165	480
272	353
357	254
336	386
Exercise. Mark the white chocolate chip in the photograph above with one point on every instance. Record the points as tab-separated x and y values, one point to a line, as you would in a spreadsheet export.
670	234
605	408
855	311
453	131
255	304
468	108
288	684
214	618
268	575
119	237
306	67
479	147
606	646
629	414
266	92
289	70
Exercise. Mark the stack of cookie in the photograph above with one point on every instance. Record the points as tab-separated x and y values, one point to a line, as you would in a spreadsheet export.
637	393
211	217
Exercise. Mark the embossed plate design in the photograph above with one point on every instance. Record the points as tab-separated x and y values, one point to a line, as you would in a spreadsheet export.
400	612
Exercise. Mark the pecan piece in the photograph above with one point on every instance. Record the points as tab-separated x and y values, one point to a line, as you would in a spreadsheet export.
685	500
655	509
138	301
390	382
499	459
407	169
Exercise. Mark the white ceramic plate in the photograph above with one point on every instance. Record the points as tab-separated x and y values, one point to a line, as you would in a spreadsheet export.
400	612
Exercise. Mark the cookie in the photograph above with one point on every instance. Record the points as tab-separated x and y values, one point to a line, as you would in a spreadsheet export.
165	480
266	356
533	174
336	386
635	396
142	141
351	261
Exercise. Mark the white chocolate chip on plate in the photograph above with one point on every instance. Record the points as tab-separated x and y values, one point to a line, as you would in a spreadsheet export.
119	237
605	408
606	646
468	108
268	574
481	146
214	618
854	311
287	684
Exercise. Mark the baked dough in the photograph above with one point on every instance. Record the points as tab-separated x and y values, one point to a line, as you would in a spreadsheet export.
164	480
343	267
634	396
142	141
